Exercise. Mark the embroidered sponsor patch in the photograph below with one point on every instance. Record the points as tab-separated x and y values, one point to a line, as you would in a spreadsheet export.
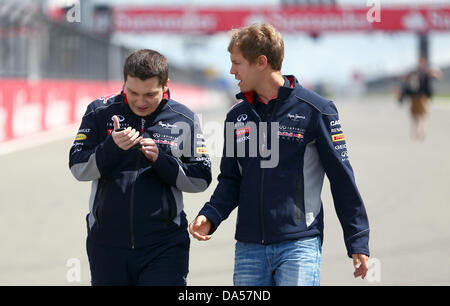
166	125
120	117
290	134
167	142
295	117
340	147
242	117
80	137
243	131
337	137
336	122
202	150
243	138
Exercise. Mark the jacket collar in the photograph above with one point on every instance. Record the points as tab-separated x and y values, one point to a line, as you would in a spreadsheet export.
290	84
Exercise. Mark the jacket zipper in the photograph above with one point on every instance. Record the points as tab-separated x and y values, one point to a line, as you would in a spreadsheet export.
142	126
132	191
262	207
262	177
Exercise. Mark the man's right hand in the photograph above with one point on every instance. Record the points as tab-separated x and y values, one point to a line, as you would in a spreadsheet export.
124	139
200	227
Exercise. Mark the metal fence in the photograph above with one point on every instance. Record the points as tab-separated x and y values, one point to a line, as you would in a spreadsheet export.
34	47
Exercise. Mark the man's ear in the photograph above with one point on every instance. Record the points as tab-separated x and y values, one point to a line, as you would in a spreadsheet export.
166	86
262	62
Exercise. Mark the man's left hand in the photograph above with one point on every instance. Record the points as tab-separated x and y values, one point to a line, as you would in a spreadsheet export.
360	262
150	149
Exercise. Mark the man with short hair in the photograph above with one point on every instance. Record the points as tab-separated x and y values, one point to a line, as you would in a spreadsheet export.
279	228
141	150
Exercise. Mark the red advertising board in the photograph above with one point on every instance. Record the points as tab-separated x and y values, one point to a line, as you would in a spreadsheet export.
285	19
28	108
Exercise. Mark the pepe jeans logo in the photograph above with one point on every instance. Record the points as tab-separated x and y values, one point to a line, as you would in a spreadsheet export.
295	117
166	125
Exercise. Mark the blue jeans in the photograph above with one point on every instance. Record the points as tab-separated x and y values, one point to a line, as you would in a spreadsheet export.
288	263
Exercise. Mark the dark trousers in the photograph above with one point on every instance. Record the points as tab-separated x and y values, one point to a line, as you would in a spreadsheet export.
163	264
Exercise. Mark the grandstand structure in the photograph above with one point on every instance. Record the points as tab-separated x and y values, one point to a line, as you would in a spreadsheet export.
51	67
39	41
34	46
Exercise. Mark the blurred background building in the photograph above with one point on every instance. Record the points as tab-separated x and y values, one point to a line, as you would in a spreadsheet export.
336	47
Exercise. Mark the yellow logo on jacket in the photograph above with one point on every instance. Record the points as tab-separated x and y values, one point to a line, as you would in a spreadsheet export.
202	150
337	137
80	137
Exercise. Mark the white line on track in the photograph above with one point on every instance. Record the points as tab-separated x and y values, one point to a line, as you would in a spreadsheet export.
41	138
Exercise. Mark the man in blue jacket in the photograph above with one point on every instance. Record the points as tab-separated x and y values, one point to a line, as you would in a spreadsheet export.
280	140
141	150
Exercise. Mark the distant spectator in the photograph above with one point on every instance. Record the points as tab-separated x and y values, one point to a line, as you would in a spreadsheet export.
417	86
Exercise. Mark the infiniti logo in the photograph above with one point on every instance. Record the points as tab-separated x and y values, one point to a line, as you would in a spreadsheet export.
120	117
242	117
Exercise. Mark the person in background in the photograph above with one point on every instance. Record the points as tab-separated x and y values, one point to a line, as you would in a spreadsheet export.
417	86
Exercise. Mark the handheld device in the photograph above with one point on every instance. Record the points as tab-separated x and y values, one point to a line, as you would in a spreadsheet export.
137	146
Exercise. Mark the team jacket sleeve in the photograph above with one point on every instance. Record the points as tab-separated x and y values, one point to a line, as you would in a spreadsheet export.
92	156
191	171
226	195
348	203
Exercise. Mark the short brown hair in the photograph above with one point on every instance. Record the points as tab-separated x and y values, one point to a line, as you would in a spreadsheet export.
145	64
259	39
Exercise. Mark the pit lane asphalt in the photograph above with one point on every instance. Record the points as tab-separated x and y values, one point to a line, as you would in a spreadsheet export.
404	185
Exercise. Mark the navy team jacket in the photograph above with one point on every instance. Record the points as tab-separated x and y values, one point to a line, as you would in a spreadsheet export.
134	202
283	202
